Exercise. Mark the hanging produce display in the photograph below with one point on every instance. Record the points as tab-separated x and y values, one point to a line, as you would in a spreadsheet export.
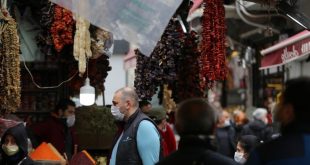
168	102
62	28
9	64
160	67
188	84
45	39
212	61
82	42
101	42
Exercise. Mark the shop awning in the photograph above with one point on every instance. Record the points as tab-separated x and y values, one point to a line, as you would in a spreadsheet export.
295	47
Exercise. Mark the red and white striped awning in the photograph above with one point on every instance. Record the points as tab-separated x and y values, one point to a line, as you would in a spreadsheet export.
293	48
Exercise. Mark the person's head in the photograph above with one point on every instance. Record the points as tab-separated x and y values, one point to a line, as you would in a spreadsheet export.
294	103
125	103
240	117
245	146
14	145
195	117
260	114
145	106
159	116
65	109
224	119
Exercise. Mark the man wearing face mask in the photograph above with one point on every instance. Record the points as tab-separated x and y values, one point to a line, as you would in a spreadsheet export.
139	140
14	146
225	135
58	128
259	127
292	112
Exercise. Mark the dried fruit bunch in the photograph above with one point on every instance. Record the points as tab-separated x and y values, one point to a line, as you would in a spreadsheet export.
212	61
62	28
44	39
82	42
160	67
9	64
188	84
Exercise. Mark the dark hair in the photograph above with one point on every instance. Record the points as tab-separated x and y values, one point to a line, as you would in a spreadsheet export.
63	104
143	103
195	116
297	93
248	143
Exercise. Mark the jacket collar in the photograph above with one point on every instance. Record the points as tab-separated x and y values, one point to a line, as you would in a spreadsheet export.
131	119
197	141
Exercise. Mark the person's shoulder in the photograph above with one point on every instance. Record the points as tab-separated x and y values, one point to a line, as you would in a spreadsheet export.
217	158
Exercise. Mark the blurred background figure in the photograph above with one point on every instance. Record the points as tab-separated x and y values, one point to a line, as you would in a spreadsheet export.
245	146
292	112
14	146
240	120
145	106
259	126
158	115
225	135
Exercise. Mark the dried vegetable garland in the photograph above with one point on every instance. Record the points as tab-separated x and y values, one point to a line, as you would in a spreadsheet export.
168	102
188	83
82	43
45	39
62	28
160	67
212	62
9	64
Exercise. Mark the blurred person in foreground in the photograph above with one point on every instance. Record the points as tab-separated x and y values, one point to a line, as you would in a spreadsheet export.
259	126
159	116
138	141
293	114
246	144
225	135
196	123
14	146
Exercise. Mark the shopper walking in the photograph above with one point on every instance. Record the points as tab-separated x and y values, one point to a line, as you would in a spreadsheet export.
246	144
139	142
196	122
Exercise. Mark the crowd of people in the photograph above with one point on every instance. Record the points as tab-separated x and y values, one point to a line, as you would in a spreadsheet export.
207	135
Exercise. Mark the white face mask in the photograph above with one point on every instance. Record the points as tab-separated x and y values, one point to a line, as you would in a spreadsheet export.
10	150
70	120
117	113
239	158
226	123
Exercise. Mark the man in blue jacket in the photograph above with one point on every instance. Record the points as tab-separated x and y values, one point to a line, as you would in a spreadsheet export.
293	114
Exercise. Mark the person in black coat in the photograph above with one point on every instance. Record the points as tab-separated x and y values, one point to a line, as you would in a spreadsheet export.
259	127
14	146
196	122
225	135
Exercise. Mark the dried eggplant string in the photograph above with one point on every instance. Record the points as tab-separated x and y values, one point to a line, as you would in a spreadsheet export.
10	67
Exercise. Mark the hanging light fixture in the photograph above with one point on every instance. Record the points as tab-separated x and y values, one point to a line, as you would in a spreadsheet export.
87	92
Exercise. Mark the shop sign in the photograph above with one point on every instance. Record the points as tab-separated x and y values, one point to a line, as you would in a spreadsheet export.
286	54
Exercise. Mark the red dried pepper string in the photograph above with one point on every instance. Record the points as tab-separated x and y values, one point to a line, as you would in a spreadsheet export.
62	28
213	65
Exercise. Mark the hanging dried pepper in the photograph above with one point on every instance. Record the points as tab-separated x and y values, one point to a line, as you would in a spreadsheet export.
212	62
9	65
62	28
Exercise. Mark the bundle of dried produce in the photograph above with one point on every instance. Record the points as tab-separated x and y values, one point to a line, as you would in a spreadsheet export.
160	67
82	42
45	39
101	42
62	28
212	62
168	101
9	64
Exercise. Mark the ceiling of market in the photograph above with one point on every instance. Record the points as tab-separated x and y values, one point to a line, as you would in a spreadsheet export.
262	12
